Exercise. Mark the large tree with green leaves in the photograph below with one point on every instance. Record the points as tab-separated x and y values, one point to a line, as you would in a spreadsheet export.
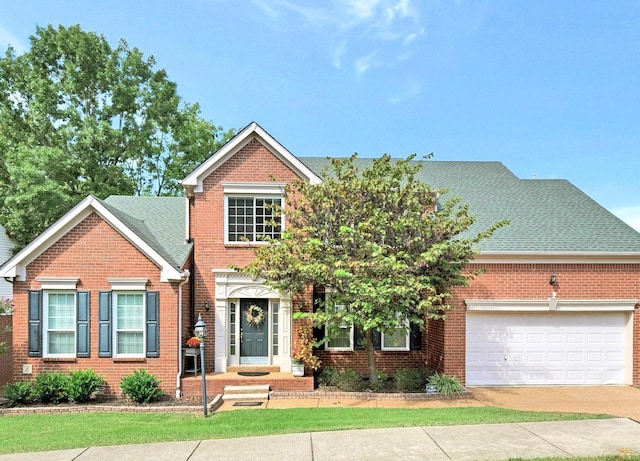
80	117
376	241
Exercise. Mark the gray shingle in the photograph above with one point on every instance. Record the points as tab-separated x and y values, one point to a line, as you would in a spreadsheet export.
545	215
159	221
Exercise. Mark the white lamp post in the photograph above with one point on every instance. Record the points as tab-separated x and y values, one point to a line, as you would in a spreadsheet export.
200	330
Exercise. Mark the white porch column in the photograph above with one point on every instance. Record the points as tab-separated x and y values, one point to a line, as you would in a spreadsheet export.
221	339
284	356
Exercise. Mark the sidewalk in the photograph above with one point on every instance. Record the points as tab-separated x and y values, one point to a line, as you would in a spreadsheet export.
457	443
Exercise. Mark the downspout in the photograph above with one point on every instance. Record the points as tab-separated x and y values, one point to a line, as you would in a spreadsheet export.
179	375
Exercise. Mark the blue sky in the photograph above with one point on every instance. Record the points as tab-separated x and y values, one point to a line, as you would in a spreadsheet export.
549	88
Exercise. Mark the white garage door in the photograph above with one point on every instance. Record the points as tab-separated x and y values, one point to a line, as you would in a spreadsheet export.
546	348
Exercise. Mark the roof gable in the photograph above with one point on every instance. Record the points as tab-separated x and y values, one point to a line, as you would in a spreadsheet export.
16	266
193	182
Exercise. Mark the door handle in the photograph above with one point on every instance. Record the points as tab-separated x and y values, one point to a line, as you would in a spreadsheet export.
241	334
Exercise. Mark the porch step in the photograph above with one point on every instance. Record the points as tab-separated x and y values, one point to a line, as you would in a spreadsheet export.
253	392
253	368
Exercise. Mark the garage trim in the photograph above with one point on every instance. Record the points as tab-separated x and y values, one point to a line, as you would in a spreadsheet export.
541	305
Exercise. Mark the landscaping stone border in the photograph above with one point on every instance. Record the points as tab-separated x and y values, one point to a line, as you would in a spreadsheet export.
423	396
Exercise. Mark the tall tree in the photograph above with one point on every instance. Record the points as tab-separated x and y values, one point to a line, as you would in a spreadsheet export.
378	244
79	117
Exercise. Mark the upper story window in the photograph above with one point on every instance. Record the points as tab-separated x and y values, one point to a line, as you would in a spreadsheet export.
250	212
252	218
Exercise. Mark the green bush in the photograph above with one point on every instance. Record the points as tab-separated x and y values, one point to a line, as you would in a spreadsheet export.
382	384
350	381
329	377
447	385
411	379
141	387
82	384
20	393
51	387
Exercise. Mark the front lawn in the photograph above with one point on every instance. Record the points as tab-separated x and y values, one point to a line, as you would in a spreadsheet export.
28	433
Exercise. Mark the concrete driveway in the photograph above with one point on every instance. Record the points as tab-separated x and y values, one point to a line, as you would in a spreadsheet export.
612	400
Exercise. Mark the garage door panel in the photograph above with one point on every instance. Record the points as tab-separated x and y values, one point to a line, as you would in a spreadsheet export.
546	348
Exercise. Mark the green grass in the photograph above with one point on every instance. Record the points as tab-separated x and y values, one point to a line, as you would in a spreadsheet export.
28	433
593	458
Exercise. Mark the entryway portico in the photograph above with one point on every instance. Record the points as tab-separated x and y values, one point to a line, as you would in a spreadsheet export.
252	323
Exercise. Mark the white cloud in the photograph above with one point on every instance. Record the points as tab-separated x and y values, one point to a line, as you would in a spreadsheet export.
353	24
413	89
630	215
7	38
337	54
364	63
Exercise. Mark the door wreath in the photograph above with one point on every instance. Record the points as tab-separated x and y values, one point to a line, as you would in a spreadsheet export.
255	315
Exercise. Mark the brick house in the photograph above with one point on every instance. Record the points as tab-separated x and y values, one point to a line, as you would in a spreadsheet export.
117	284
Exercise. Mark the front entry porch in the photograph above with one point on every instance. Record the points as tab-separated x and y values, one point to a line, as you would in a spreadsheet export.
275	379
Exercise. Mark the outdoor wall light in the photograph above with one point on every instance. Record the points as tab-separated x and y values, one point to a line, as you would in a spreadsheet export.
206	306
553	281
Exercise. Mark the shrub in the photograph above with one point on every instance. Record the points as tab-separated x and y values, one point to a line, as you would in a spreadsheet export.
382	383
411	379
51	387
350	381
20	393
141	387
329	377
82	384
447	385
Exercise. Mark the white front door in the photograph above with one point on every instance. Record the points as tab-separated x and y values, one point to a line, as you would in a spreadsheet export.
576	348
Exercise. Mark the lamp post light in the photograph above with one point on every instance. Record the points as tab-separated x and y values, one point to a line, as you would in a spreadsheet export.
200	331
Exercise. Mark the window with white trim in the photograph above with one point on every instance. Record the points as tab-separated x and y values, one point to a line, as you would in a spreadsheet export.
341	336
129	328
59	323
396	341
251	218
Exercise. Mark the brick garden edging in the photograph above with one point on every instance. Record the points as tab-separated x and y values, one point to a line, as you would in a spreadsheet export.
217	401
68	409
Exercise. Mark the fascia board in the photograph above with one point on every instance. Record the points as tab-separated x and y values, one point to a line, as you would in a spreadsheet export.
577	257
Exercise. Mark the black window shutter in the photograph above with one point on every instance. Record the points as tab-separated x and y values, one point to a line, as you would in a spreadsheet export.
359	339
153	332
35	323
318	303
104	324
82	325
415	337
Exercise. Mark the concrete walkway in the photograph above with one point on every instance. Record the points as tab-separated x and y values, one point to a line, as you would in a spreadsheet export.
451	443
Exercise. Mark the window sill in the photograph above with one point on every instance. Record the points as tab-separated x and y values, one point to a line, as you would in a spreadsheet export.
60	359
129	360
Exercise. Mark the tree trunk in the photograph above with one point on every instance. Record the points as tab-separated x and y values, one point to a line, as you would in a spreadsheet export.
373	373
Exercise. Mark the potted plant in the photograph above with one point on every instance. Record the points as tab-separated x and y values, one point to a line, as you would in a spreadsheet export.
303	350
192	344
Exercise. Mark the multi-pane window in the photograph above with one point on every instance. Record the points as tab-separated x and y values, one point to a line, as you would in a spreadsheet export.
252	218
60	316
129	323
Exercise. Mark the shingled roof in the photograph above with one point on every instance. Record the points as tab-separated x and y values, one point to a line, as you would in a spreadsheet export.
545	215
159	221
